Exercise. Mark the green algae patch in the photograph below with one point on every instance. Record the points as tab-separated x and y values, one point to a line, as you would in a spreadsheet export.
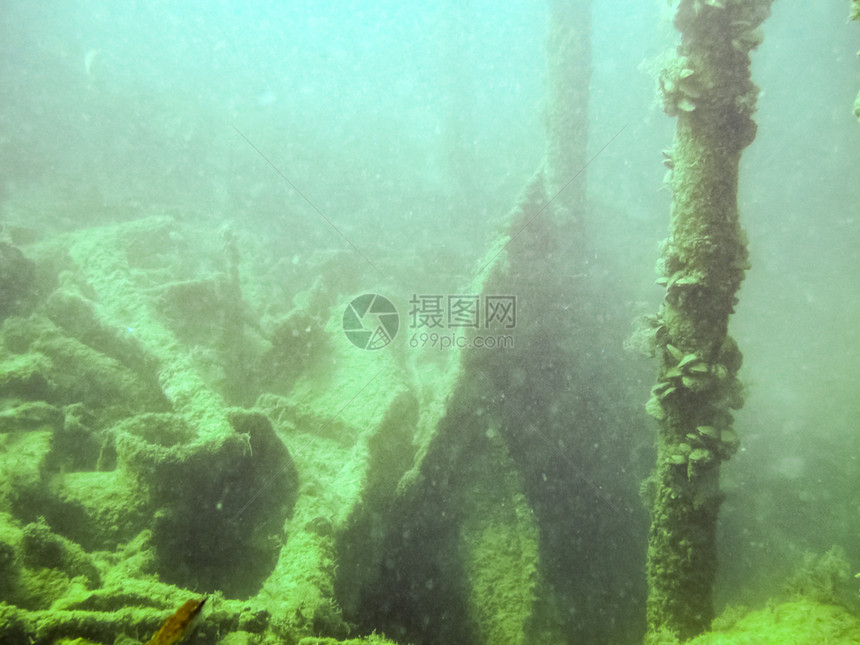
373	639
111	261
500	551
801	622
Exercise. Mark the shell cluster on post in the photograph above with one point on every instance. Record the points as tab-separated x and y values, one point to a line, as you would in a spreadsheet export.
680	87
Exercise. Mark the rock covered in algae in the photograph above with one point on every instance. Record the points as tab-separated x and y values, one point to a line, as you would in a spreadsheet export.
802	621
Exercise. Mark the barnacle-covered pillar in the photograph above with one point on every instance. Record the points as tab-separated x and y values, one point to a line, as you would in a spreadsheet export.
707	87
855	15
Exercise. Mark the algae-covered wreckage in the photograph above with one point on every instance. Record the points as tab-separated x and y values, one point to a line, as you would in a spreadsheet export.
194	452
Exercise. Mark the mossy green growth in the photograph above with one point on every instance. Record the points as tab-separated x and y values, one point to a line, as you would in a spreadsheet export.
825	579
499	545
373	639
802	621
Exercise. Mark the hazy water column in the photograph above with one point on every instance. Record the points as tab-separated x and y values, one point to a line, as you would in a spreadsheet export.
569	73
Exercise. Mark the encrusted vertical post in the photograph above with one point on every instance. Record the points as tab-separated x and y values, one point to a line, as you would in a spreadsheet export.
855	15
707	87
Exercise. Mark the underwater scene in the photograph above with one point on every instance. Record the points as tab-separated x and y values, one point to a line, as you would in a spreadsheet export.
429	323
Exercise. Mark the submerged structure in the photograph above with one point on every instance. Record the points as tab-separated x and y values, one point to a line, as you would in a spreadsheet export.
175	425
